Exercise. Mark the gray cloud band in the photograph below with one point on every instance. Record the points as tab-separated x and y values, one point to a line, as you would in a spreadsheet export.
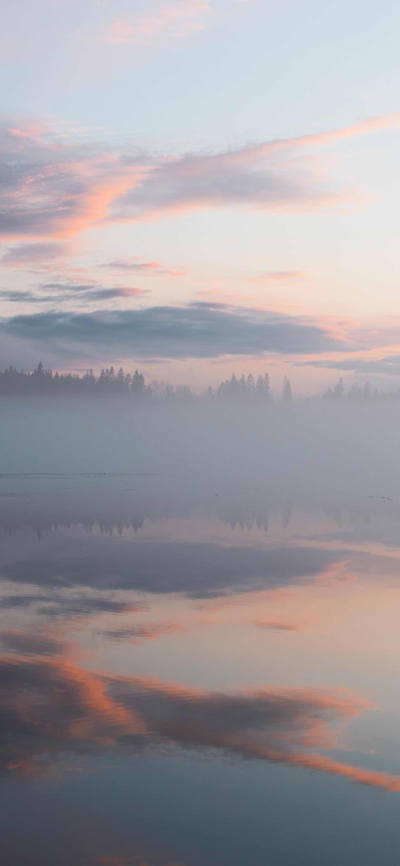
389	365
199	330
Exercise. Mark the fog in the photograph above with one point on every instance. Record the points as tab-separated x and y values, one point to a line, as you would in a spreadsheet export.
305	449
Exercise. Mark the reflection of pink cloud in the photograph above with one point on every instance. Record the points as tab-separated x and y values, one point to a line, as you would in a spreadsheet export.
276	625
334	768
112	860
139	633
168	21
53	705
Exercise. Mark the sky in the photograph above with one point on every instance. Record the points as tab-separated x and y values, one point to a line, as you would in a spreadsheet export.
199	188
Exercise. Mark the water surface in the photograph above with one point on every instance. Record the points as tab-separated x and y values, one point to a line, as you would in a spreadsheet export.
202	675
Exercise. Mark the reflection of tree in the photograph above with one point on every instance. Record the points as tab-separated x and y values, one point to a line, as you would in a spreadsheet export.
240	512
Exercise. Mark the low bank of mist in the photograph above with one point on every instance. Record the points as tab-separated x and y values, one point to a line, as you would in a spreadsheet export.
304	448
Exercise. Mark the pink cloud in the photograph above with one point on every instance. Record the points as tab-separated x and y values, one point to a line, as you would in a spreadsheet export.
54	189
276	625
146	631
269	175
279	277
169	21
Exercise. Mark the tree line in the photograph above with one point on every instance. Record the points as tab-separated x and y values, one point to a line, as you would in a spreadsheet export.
358	394
245	389
43	381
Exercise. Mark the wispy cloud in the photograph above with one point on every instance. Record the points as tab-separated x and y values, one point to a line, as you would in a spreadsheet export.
86	293
53	189
268	175
389	365
26	256
143	268
276	277
165	23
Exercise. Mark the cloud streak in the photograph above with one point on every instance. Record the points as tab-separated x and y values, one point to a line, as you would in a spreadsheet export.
199	330
387	366
268	175
82	293
195	570
144	269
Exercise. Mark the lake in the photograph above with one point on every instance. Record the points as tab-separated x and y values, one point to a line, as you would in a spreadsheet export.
197	674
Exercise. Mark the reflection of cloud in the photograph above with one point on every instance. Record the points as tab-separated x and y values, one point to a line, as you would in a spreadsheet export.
113	860
140	633
50	706
198	330
276	625
38	643
68	607
198	570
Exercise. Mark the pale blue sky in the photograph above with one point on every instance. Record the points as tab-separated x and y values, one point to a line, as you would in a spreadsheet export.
151	81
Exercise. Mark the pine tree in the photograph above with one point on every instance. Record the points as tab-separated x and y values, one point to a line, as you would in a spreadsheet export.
287	390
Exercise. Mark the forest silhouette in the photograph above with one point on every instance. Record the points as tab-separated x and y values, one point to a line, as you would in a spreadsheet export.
244	389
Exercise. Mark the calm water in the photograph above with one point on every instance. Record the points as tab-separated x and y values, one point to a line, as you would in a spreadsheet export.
202	677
